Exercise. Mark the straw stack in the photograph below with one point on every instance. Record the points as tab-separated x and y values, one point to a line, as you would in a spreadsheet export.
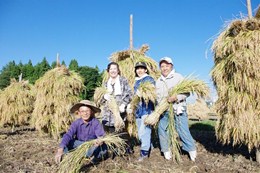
56	92
16	103
236	75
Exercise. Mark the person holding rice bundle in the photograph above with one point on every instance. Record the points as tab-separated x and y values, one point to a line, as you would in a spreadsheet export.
169	78
85	128
115	101
143	109
117	87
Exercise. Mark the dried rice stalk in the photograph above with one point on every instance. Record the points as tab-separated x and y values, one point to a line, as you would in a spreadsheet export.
74	160
56	91
236	75
119	123
16	103
99	94
187	85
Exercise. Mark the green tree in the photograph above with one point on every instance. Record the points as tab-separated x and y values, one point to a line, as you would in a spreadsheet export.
74	65
11	70
91	77
28	71
40	69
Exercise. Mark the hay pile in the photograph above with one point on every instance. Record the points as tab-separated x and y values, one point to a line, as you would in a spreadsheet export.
56	92
199	110
16	103
127	60
236	75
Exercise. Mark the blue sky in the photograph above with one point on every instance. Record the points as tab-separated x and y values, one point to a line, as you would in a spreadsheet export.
91	30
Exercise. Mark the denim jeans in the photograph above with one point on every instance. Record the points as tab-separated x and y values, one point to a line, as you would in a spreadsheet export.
144	133
98	152
182	128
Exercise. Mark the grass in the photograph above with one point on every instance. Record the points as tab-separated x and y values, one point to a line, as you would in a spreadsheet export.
206	125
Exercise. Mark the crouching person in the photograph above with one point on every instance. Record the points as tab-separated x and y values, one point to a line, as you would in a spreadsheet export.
85	128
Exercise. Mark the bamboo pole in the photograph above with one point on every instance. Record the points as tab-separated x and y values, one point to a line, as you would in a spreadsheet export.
131	32
57	60
249	9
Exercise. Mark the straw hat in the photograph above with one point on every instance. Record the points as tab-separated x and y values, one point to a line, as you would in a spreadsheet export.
88	103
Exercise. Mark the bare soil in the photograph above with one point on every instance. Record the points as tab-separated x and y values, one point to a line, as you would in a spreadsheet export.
25	151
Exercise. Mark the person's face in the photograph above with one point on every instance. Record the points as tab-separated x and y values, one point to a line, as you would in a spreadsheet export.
113	71
140	71
166	68
85	113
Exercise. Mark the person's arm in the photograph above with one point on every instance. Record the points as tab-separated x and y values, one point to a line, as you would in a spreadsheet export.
65	141
99	132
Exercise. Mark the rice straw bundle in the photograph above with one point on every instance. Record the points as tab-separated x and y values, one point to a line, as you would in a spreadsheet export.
99	94
187	85
112	106
56	92
74	160
173	142
16	103
119	123
236	75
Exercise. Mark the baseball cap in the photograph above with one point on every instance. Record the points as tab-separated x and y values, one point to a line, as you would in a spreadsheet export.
141	64
167	59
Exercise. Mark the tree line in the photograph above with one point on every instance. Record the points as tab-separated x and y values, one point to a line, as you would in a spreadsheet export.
92	76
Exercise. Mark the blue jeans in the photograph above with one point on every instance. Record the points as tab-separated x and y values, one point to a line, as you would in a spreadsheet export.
98	152
182	128
144	133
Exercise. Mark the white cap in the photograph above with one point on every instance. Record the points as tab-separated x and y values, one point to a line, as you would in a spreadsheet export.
167	59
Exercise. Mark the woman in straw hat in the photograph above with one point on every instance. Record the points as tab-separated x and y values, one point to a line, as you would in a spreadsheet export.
143	109
85	128
169	78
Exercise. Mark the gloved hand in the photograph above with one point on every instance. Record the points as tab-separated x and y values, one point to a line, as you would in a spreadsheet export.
179	110
122	108
138	93
107	97
58	155
129	110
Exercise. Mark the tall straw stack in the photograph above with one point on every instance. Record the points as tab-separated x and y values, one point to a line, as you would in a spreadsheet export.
56	92
16	103
236	75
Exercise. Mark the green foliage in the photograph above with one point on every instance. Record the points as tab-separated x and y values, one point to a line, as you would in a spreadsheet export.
74	66
40	69
91	77
11	70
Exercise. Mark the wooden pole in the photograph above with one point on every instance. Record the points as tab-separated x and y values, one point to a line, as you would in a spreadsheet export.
249	9
131	32
57	60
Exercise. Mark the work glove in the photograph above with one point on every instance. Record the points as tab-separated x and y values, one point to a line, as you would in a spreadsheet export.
122	108
58	155
107	97
129	110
